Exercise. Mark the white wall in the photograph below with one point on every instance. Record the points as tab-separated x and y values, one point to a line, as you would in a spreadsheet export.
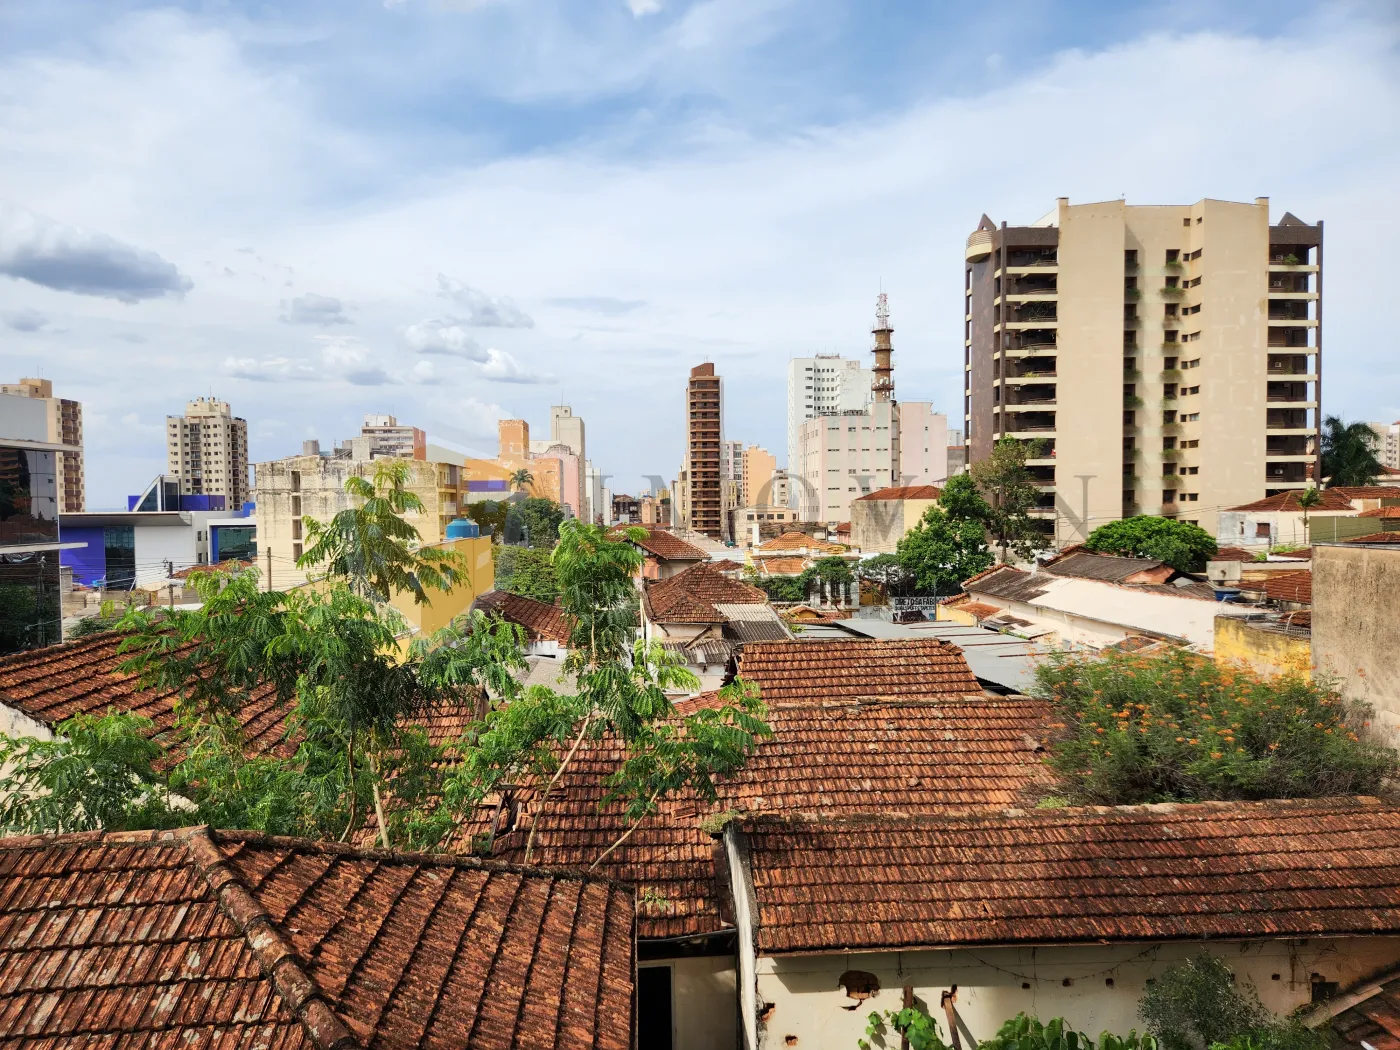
703	1014
808	1003
156	543
923	444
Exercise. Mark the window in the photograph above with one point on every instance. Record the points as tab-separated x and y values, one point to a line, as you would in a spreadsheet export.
1193	443
1191	417
1173	255
1195	362
1169	495
1192	390
1169	364
1190	497
1186	221
1190	470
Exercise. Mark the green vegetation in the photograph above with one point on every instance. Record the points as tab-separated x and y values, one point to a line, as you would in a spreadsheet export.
827	574
885	572
521	479
525	570
28	617
941	551
1009	492
1199	1004
1349	453
1178	727
371	548
1183	546
1023	1032
491	515
535	521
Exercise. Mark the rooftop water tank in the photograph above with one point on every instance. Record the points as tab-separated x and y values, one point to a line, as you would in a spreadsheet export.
463	529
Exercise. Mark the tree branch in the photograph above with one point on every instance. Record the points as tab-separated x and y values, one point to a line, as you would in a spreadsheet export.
535	820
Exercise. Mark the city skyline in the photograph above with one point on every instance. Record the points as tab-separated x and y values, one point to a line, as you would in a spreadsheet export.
230	218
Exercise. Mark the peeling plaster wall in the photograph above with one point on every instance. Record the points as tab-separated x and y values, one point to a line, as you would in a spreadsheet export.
808	1004
1356	629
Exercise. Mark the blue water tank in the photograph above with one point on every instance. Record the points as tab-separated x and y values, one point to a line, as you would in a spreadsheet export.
463	529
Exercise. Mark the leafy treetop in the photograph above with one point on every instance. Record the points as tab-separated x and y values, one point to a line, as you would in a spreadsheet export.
1180	544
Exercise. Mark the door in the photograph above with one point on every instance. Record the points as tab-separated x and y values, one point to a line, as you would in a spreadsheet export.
654	1008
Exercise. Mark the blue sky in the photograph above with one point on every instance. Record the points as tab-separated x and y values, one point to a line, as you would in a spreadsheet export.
458	210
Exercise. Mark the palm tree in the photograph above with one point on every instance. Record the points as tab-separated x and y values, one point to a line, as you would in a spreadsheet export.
1309	498
522	479
372	548
1349	453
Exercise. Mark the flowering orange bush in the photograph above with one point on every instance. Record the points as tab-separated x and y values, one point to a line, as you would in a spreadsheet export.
1178	727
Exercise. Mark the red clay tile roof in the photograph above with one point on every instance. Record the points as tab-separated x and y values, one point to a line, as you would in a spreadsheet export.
1290	586
981	610
805	672
668	546
691	596
231	566
225	940
56	683
1232	554
839	759
1332	499
904	492
799	541
1381	512
782	566
541	620
1229	870
1375	537
1367	491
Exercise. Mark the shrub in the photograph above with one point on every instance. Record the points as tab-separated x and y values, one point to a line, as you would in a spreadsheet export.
1178	727
526	571
1183	546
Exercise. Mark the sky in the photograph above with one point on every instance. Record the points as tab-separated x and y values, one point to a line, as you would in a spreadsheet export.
465	210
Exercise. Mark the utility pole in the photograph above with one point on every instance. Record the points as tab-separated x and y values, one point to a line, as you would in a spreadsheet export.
269	567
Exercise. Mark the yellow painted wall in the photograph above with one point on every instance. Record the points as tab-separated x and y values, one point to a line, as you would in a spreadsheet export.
1266	652
479	577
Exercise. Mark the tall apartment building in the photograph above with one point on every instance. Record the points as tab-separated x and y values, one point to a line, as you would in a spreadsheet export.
1387	443
385	436
207	449
703	423
923	444
567	429
825	385
842	456
759	467
63	426
1211	316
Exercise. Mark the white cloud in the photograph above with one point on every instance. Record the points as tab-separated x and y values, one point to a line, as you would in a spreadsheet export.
270	369
71	259
484	311
24	320
501	367
313	309
643	7
425	374
443	337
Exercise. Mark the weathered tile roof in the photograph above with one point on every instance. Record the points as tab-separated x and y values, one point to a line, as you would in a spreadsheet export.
1233	554
1367	1016
60	681
1229	870
839	759
1290	586
753	623
541	620
782	565
1375	537
813	671
1380	512
799	541
1367	491
903	492
981	610
667	545
1332	499
232	940
1107	567
690	596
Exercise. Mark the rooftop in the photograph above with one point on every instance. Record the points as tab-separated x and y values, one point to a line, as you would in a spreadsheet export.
814	671
1332	499
227	940
1168	872
667	545
798	541
1290	586
542	621
690	596
902	492
1381	512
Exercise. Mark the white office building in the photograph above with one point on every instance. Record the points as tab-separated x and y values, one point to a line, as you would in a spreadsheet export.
825	385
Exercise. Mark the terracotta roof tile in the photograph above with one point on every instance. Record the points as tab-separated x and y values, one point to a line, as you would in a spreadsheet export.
1381	512
1367	491
1290	586
1287	869
1375	537
981	610
668	546
839	759
799	541
1111	568
227	940
1232	554
782	566
1332	499
541	620
903	492
807	672
691	596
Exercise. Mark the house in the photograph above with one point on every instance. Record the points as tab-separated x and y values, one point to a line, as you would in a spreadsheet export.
665	554
1059	913
1094	600
1277	520
880	519
860	728
227	939
795	544
546	626
694	614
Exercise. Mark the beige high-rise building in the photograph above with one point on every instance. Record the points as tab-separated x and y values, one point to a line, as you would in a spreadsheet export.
759	467
64	427
703	496
207	449
1387	447
1166	358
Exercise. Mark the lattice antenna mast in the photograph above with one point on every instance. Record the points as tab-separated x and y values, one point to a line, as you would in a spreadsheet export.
883	384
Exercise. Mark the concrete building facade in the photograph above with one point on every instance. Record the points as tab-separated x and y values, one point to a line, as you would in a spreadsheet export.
63	426
923	444
759	467
1387	444
1356	623
1166	359
704	408
825	385
207	449
383	435
567	429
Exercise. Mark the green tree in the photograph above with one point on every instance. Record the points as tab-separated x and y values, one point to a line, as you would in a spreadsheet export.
1180	544
491	515
372	548
1309	498
885	572
528	571
1010	492
521	479
961	501
98	772
1181	728
1349	453
940	552
536	520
